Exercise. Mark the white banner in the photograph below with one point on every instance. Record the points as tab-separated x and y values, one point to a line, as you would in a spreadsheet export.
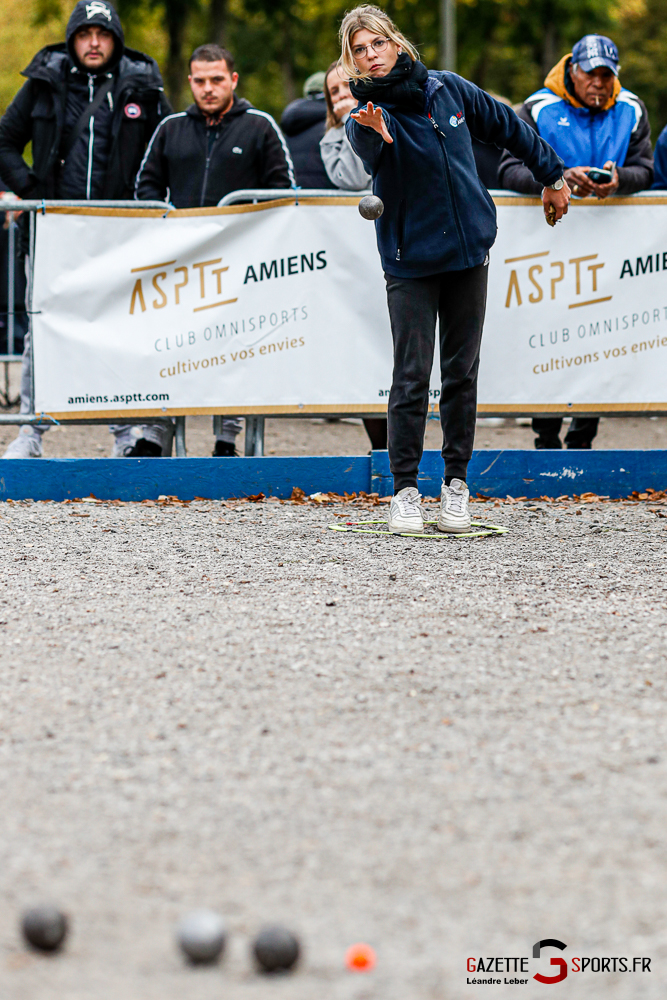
282	309
577	315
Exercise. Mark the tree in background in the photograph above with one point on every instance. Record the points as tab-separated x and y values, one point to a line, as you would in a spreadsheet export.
506	46
217	22
642	43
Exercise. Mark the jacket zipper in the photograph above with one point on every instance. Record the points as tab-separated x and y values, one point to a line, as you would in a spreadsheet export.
91	139
209	153
401	227
457	220
203	190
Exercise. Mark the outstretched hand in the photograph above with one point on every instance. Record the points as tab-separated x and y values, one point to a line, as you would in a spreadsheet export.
373	118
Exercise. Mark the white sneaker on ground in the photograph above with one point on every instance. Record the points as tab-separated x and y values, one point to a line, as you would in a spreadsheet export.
405	513
454	514
27	444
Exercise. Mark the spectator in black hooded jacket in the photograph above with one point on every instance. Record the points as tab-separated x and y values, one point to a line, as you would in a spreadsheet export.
218	145
78	158
105	158
304	122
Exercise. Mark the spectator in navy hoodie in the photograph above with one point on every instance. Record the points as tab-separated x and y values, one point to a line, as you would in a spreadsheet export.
413	131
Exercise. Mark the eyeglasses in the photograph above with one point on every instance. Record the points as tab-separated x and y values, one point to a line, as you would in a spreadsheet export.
379	45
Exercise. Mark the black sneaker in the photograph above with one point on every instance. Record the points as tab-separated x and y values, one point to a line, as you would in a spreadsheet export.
225	449
144	449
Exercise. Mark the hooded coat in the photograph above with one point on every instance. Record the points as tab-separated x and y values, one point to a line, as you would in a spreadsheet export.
619	131
106	156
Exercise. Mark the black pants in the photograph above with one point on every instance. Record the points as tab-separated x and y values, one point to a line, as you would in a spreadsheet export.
581	433
458	300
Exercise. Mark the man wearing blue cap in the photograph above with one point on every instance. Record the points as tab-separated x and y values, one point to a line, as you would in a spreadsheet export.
592	122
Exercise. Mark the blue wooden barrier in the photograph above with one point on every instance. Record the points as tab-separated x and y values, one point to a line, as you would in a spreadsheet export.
494	473
540	473
186	478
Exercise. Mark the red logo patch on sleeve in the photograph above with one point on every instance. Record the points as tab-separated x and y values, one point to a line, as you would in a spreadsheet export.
132	111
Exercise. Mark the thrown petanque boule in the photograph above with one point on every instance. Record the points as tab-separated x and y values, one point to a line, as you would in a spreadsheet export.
276	949
202	936
371	207
44	927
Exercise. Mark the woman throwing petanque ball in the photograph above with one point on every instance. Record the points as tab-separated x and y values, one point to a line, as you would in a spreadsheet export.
412	128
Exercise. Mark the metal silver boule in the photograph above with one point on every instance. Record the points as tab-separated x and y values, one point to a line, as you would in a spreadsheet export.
44	927
371	207
202	936
276	949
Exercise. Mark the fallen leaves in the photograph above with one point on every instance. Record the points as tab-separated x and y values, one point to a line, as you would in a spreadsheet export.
364	500
360	499
654	496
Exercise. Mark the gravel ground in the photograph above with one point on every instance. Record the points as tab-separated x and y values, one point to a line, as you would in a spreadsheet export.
446	748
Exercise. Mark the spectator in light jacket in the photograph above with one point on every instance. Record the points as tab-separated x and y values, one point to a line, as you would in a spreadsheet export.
345	169
591	121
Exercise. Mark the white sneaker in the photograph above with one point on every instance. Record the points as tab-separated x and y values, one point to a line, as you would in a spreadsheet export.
454	514
405	513
27	444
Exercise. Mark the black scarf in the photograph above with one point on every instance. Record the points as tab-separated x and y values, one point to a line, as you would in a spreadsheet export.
402	87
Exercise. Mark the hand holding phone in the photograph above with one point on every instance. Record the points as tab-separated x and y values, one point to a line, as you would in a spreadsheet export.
602	175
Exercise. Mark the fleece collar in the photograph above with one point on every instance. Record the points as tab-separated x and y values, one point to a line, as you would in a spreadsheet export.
555	82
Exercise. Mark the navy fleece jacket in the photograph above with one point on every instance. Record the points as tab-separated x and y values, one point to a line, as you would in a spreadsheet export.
438	216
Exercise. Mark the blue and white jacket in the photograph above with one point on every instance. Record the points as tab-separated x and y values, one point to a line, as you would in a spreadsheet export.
438	216
583	138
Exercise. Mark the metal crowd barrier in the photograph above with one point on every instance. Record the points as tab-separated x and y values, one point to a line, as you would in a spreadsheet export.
32	206
254	433
254	425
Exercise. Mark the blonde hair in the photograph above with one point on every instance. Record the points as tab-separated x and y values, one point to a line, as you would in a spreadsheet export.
372	19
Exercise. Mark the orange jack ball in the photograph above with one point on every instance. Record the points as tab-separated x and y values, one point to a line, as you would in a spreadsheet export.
360	958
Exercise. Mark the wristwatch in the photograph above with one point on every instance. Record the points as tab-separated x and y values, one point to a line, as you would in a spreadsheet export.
557	185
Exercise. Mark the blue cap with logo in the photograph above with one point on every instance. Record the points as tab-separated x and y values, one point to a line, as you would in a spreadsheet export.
592	51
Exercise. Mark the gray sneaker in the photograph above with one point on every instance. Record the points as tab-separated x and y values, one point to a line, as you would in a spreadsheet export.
405	513
454	514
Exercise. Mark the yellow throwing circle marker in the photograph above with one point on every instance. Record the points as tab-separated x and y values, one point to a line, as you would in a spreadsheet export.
364	528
